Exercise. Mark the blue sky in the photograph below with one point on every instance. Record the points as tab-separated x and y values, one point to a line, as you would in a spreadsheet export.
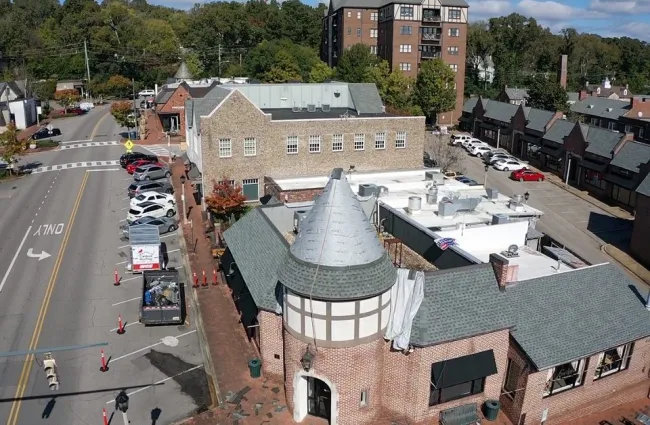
609	18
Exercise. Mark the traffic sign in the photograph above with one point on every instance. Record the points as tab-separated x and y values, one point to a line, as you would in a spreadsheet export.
129	145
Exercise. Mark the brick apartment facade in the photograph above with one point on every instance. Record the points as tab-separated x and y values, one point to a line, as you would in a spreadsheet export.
404	34
170	102
237	120
641	230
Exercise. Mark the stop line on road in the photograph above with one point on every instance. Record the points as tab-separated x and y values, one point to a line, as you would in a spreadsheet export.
72	165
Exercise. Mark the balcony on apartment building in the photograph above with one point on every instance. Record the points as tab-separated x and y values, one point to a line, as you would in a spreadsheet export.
430	37
430	53
432	17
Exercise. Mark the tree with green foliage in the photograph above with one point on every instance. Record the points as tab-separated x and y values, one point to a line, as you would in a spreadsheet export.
123	114
434	88
320	72
235	70
354	63
44	90
67	98
394	87
11	146
194	64
291	61
547	94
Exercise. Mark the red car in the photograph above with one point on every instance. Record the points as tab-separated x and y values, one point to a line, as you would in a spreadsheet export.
139	163
526	175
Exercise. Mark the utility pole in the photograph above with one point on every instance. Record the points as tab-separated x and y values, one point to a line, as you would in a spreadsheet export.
135	111
87	70
240	61
219	60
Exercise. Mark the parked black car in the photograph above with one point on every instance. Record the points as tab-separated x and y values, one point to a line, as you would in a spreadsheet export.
44	133
128	158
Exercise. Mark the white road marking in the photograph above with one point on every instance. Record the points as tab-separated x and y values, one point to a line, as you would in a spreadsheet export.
123	262
80	164
127	325
173	250
159	382
13	261
127	301
86	144
168	235
123	246
131	278
76	141
104	169
124	199
122	221
148	347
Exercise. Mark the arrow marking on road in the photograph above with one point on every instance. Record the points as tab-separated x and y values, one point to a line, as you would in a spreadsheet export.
42	256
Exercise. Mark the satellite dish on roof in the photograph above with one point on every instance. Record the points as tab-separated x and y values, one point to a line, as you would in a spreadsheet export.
513	249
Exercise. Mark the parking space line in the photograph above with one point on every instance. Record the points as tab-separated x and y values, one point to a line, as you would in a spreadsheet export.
168	235
123	246
148	347
121	262
159	382
127	301
131	278
127	325
173	250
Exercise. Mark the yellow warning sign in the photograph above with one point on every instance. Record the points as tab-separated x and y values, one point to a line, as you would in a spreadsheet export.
129	145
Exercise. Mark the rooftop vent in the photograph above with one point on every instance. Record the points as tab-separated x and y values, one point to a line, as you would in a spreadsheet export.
610	109
325	107
492	193
311	108
368	190
590	106
499	219
415	204
511	252
435	177
298	218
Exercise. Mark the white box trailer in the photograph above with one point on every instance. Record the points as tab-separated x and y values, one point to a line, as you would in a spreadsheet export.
145	248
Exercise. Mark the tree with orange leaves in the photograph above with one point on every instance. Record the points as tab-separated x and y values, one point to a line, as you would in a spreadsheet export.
227	199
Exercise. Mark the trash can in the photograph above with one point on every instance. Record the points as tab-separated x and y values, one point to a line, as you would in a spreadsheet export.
491	409
255	368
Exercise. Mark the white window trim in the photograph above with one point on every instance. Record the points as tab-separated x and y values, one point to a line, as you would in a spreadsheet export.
222	148
380	138
398	139
313	140
296	144
252	148
336	139
359	139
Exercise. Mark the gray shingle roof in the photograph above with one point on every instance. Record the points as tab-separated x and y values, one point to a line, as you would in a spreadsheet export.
205	105
469	104
456	3
644	187
601	107
500	111
600	141
631	156
459	303
366	99
366	4
164	95
259	251
537	118
573	96
558	131
516	94
567	316
183	72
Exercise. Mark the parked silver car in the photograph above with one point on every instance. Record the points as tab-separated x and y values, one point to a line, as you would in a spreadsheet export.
160	186
151	172
165	224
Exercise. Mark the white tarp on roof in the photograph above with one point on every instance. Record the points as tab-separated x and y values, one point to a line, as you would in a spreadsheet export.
405	299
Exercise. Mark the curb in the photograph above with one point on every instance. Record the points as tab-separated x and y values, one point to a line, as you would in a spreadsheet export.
603	248
208	365
588	199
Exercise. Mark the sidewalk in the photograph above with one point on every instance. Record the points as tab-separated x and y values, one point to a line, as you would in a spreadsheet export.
239	398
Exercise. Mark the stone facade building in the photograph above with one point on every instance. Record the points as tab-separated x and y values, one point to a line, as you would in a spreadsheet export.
252	132
322	298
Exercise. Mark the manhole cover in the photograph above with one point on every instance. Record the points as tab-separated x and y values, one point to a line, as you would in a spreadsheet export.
170	341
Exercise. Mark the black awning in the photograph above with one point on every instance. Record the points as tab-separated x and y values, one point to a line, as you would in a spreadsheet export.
546	150
465	119
531	139
592	165
620	181
463	369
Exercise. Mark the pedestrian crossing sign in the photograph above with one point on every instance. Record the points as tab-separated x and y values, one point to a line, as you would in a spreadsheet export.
128	145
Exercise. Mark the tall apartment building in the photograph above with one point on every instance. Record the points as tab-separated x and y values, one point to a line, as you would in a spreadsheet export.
403	33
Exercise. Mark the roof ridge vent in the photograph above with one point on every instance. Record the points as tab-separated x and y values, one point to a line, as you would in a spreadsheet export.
610	109
590	106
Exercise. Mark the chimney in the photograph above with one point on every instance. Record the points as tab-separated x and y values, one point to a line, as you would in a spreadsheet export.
556	116
582	95
563	71
504	271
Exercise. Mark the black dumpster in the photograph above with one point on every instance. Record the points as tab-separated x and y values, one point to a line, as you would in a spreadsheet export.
255	368
491	409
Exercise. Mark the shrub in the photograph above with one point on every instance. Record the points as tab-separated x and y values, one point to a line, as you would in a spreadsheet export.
46	143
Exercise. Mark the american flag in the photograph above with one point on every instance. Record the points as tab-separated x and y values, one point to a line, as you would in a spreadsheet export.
444	243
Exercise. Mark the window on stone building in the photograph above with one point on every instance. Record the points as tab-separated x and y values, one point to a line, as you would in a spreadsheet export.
225	148
359	142
380	140
314	144
292	144
229	182
364	399
373	50
251	189
250	146
453	32
337	143
614	360
400	140
565	377
513	371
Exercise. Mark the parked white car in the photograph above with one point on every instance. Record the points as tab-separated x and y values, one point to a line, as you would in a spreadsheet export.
467	142
459	138
509	164
480	151
86	106
146	92
491	159
149	209
473	144
154	198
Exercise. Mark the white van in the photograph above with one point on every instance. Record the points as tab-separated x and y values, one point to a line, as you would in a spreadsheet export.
145	93
460	138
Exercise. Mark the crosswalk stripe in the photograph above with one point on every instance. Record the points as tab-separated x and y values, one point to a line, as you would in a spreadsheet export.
88	145
75	165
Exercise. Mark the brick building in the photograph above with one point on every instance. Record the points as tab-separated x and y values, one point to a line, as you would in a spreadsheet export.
402	33
641	230
170	102
323	299
250	132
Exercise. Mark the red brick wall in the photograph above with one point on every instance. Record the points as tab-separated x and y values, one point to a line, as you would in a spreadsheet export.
641	232
176	105
512	403
592	396
271	345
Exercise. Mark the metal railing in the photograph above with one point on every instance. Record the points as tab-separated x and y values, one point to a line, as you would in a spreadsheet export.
431	55
431	37
431	19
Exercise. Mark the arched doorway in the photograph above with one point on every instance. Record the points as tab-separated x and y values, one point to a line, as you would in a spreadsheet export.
315	396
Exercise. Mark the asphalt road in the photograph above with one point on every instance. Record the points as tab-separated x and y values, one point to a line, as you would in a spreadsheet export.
69	219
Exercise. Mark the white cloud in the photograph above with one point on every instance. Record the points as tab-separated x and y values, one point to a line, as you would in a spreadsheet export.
621	6
640	30
483	9
554	11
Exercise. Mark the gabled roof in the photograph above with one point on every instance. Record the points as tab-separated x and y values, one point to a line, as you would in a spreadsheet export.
205	105
163	96
600	141
516	94
258	250
631	156
601	107
469	104
644	187
566	316
537	118
558	131
500	111
366	98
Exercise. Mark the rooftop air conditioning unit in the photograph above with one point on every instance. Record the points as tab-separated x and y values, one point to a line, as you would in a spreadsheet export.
499	219
368	190
298	218
311	108
325	107
492	194
511	252
296	108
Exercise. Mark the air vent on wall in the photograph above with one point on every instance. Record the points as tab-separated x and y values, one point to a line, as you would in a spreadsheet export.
311	108
325	107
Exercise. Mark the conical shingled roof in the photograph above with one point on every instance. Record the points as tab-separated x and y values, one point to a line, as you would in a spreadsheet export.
337	254
183	73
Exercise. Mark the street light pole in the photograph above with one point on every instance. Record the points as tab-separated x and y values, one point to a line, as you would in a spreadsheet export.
487	167
183	199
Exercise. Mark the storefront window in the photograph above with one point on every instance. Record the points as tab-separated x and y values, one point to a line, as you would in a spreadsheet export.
594	178
554	163
624	196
